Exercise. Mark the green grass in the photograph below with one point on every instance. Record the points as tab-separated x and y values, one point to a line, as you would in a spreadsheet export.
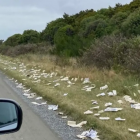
79	101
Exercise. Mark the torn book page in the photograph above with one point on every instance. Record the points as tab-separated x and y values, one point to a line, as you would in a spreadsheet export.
110	109
108	104
88	112
132	130
104	118
104	87
53	107
119	119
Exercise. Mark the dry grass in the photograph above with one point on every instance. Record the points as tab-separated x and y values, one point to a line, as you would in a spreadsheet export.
79	101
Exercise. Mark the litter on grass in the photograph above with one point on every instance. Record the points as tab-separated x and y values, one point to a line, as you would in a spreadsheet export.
135	106
97	115
120	101
57	84
88	112
119	119
110	109
113	93
94	102
101	111
108	104
136	85
104	87
104	118
138	135
132	130
65	94
102	94
86	81
91	134
96	107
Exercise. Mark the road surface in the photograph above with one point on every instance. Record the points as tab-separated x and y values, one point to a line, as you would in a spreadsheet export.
33	127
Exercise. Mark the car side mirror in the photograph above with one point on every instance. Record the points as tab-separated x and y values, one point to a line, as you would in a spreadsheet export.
10	116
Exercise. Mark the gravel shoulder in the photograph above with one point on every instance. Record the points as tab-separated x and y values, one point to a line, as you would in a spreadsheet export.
39	123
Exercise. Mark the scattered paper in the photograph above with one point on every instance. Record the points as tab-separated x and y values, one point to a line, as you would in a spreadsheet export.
81	137
38	98
91	134
73	124
104	118
57	84
60	113
138	135
135	106
136	85
35	103
132	130
108	104
102	94
109	109
88	112
96	107
120	101
104	87
135	94
48	84
64	117
94	102
101	111
113	93
53	107
65	94
119	119
65	79
86	81
96	114
44	103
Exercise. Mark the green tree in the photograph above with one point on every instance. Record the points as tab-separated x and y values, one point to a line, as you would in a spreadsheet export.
66	42
131	26
13	40
50	30
30	36
97	28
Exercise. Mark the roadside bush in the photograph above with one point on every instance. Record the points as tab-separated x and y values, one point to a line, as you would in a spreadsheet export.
132	61
107	52
40	48
115	52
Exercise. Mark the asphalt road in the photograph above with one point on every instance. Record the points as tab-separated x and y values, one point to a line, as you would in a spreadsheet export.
33	127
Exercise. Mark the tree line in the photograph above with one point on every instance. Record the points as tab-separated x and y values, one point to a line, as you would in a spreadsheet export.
73	35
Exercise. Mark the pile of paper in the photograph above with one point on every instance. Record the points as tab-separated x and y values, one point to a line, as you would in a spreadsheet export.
91	134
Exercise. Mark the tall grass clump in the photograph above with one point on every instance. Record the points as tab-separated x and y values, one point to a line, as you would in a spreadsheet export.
115	51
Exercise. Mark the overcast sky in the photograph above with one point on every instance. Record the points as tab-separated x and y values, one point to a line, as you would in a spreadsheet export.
19	15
